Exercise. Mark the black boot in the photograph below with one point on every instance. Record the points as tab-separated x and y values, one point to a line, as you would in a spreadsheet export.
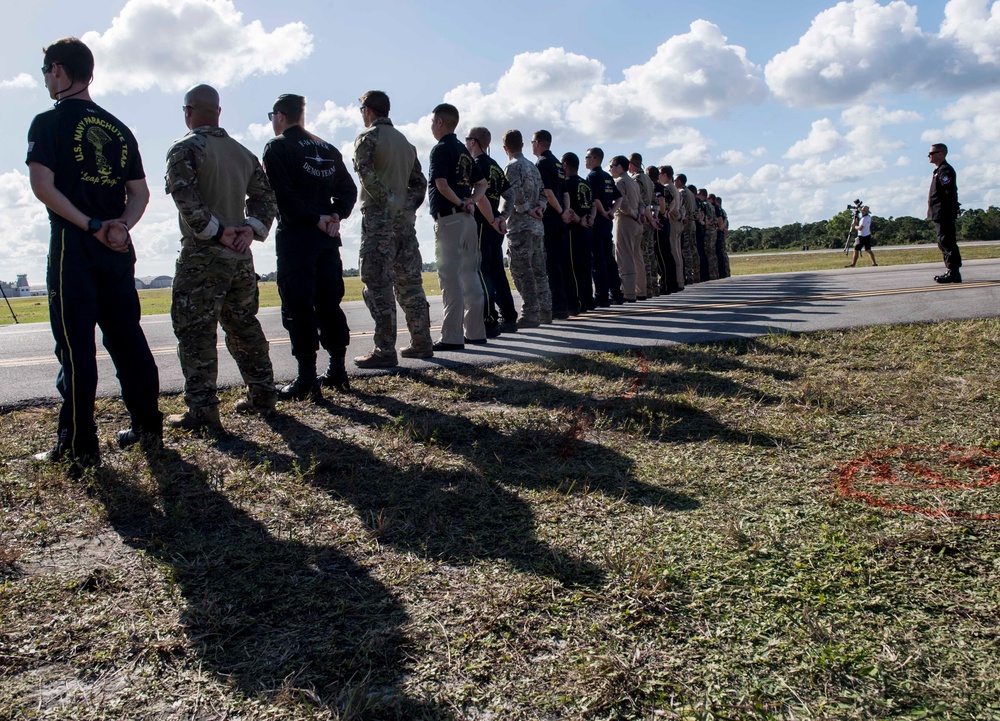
306	385
336	373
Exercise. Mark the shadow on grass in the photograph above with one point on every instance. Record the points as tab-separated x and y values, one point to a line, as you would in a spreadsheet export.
453	515
279	618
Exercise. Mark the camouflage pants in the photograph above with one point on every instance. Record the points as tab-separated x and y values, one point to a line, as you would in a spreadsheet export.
211	289
649	254
526	249
712	254
391	268
689	248
720	244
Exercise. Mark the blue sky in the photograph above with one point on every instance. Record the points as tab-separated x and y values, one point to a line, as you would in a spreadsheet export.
789	110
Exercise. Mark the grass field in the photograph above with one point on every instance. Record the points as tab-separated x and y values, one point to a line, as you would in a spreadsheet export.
789	527
155	302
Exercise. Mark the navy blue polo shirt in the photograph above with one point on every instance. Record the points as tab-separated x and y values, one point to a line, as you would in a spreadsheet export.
451	160
602	185
553	178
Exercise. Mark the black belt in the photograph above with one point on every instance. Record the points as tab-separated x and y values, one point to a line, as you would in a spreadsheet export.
445	213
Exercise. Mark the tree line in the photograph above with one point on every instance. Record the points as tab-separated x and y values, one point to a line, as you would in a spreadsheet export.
973	224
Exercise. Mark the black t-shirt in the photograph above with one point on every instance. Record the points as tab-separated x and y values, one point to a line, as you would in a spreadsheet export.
553	178
496	183
657	194
603	187
451	160
91	153
580	195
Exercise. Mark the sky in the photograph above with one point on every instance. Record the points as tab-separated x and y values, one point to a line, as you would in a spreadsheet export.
788	109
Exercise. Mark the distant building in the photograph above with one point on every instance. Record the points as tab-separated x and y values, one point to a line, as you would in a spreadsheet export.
149	282
22	289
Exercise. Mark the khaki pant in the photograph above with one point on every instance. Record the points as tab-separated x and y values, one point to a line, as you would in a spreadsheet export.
628	253
456	248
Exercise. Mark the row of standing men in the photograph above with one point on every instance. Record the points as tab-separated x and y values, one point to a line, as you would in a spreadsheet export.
85	167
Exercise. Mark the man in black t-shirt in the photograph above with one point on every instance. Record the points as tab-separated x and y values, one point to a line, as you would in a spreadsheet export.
314	193
607	283
579	234
491	231
455	185
84	165
555	218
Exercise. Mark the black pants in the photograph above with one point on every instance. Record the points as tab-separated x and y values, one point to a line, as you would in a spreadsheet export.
494	277
91	285
947	241
556	257
311	286
607	283
665	258
699	235
581	292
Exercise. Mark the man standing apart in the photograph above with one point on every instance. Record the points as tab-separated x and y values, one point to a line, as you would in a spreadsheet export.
556	252
526	233
607	284
84	165
628	232
942	208
315	193
392	188
490	229
224	203
455	186
864	239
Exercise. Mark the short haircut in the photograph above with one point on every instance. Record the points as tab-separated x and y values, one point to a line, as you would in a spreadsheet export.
376	101
682	179
544	137
719	198
572	160
597	153
667	170
448	114
621	161
941	146
653	172
74	56
293	107
513	141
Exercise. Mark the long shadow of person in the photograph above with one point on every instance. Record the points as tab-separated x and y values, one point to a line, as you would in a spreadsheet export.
274	616
445	512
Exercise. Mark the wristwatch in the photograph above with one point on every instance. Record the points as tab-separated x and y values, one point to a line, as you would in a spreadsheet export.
94	225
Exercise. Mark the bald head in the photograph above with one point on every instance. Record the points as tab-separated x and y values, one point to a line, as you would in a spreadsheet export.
201	106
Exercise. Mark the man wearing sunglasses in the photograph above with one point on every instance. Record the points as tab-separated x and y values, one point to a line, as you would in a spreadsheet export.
84	165
942	208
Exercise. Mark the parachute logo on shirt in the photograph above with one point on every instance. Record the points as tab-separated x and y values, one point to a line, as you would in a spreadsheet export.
98	138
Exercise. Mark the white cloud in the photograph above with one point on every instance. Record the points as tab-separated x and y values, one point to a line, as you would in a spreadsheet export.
823	138
174	44
974	26
733	157
24	229
859	48
696	74
19	81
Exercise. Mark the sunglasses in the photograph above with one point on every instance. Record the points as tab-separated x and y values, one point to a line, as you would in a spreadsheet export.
47	68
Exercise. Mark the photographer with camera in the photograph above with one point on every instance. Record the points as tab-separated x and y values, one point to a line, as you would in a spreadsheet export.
864	240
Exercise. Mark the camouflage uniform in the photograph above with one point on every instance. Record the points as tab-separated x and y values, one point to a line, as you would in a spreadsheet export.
390	254
214	284
646	193
710	236
689	242
526	238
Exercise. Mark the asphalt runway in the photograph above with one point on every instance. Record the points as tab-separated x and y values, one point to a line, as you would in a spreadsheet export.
738	307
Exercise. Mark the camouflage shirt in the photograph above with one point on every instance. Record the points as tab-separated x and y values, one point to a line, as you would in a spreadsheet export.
528	194
388	168
216	182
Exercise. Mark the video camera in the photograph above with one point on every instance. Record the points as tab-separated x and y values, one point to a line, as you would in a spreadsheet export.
856	209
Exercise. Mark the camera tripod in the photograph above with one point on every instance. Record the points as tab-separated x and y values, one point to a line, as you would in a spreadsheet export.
4	294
